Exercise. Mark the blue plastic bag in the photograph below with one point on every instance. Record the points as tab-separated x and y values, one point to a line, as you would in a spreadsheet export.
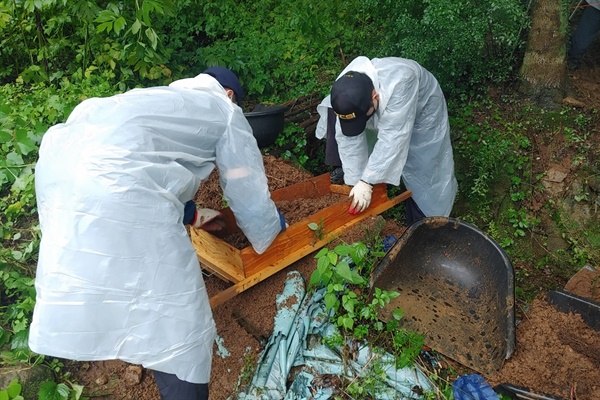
473	387
388	242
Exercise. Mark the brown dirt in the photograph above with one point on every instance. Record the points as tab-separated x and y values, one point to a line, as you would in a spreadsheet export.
294	211
556	353
585	81
586	284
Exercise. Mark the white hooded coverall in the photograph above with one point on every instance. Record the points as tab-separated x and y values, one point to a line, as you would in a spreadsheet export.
117	276
413	134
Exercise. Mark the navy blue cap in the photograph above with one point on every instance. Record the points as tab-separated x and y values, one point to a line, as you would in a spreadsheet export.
351	99
227	79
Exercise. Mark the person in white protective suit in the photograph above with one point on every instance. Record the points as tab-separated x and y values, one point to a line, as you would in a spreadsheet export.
401	105
117	276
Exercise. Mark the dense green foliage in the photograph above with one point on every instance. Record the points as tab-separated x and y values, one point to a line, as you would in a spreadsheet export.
55	53
280	49
463	43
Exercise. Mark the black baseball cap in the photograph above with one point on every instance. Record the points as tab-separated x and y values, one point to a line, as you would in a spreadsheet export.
227	79
351	99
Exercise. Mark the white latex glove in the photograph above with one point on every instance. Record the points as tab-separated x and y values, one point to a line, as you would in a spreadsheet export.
361	194
204	216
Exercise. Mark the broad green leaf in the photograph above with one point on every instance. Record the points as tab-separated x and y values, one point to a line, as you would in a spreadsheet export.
5	136
357	278
63	390
14	389
330	300
348	323
53	391
135	28
105	16
4	110
4	395
365	313
152	37
5	336
333	258
105	26
13	158
50	391
119	24
313	226
343	270
19	341
398	314
322	252
359	253
343	250
92	68
3	178
24	143
323	263
17	255
78	390
348	303
14	208
315	278
4	17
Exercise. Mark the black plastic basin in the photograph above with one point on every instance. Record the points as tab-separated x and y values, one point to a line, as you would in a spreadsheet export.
267	123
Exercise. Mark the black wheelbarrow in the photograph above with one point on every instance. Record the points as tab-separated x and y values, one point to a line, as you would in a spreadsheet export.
456	287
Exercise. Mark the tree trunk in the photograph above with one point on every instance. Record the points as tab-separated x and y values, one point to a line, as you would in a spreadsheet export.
543	73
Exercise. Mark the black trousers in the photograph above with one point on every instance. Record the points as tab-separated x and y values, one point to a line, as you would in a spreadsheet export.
173	388
586	32
332	155
413	212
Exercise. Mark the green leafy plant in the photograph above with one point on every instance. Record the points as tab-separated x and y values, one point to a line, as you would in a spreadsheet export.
355	311
12	392
355	307
60	391
291	144
319	229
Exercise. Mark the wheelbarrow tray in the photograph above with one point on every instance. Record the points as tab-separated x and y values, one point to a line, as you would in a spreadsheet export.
567	302
456	287
245	268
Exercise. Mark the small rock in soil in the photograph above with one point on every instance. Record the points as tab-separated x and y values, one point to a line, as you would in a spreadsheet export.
132	375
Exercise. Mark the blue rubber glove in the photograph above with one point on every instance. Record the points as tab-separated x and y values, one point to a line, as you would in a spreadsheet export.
284	225
189	212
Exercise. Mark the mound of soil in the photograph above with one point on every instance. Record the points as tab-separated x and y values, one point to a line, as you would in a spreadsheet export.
556	354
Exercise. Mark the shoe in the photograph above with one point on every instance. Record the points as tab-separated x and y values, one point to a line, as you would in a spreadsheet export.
336	176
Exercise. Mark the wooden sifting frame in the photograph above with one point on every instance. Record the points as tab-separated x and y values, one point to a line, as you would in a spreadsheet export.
245	268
